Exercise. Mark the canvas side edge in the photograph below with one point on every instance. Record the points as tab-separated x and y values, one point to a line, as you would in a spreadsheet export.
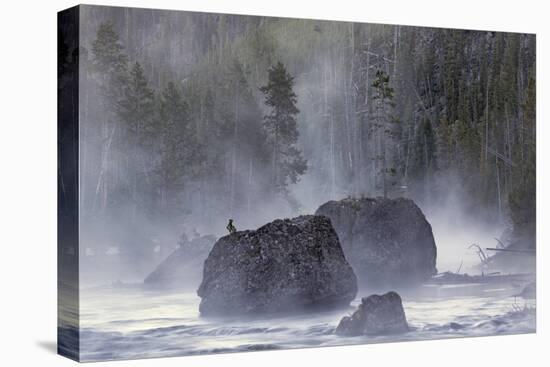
68	331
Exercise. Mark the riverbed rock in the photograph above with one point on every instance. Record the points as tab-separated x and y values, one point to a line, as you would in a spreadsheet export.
376	315
529	291
183	267
388	242
288	265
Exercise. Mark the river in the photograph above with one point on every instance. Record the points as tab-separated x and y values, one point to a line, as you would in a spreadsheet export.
127	322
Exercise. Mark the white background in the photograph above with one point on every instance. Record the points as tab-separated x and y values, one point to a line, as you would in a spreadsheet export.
28	182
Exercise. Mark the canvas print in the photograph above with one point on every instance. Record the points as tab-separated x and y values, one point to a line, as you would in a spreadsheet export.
232	183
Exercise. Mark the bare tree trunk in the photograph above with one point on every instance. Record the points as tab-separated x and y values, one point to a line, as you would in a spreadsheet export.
100	186
428	181
383	158
332	160
349	144
234	156
249	196
353	119
366	104
507	168
406	174
396	36
275	159
486	119
498	190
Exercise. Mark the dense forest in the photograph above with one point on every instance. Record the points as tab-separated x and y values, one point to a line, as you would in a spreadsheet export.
188	119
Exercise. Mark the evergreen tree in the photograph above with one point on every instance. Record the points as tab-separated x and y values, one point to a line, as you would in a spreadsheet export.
423	163
109	64
280	124
109	61
136	110
177	145
108	52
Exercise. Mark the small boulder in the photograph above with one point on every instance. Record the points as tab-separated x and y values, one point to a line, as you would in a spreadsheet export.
388	242
284	266
376	315
529	291
183	267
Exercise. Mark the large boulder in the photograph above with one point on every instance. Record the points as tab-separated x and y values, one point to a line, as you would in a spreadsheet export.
376	315
284	266
388	242
183	267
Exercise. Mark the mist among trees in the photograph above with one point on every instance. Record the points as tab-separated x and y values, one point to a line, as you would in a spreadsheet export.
189	119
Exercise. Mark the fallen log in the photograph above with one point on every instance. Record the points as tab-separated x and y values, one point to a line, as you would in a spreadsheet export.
525	251
454	278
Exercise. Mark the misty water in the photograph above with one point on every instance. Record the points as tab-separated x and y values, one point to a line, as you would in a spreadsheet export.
125	322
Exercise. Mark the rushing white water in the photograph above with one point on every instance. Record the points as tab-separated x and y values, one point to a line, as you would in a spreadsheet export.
129	322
